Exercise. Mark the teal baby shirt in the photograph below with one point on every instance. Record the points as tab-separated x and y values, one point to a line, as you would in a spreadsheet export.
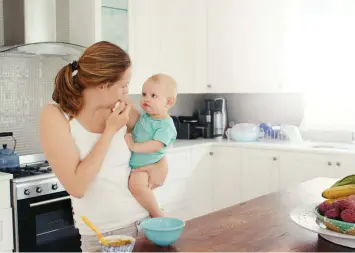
146	129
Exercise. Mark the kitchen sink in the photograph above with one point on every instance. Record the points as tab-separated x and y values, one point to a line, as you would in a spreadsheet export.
335	146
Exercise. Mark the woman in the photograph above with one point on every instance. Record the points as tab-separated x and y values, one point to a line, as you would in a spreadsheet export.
83	139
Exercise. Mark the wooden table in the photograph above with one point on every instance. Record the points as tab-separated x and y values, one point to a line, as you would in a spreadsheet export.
261	224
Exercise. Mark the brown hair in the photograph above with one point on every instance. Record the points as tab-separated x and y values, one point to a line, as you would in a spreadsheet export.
101	63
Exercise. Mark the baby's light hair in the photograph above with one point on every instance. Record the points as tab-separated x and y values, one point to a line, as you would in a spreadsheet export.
168	81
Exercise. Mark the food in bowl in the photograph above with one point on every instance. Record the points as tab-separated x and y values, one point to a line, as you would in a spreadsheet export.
118	243
163	231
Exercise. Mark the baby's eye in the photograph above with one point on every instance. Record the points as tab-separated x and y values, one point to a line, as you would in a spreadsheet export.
143	94
154	96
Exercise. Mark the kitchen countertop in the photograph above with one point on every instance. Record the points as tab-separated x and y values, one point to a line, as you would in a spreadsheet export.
5	176
281	146
261	224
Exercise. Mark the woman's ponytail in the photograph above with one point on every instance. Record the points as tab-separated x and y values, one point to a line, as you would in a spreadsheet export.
66	92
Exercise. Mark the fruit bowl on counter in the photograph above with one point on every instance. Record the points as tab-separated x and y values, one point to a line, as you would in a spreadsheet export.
334	217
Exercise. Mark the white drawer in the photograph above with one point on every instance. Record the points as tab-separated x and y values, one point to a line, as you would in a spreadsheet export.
6	234
4	194
179	165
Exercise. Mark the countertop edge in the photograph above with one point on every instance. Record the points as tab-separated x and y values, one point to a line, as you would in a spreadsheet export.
181	145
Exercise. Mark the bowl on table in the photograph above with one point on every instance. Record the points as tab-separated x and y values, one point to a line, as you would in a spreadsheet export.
336	225
162	231
118	243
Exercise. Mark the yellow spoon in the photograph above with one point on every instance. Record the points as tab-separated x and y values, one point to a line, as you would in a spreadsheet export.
101	238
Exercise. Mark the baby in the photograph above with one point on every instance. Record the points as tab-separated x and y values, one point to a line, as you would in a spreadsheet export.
153	132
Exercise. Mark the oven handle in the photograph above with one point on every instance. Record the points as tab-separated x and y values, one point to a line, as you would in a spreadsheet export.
41	203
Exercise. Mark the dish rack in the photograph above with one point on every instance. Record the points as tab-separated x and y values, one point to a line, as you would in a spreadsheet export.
280	134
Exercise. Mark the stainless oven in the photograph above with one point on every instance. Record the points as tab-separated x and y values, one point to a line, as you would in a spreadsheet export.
43	220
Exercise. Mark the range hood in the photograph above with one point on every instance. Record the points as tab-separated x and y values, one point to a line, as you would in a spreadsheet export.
36	27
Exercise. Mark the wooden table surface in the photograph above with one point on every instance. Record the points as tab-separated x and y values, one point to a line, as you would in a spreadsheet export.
261	224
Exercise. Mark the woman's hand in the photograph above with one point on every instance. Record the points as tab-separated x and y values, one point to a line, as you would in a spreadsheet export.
118	118
157	173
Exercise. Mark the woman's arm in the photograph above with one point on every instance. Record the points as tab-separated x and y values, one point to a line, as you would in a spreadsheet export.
63	156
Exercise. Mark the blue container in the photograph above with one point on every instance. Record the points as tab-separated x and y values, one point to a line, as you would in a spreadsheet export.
163	231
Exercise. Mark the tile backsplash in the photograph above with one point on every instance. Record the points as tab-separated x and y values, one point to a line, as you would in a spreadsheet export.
26	84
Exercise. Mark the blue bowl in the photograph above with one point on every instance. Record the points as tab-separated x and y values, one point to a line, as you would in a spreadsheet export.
163	231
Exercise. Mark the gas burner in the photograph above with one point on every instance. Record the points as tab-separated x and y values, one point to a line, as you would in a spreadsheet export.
27	170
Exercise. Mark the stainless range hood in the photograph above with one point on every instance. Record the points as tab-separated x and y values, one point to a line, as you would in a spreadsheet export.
36	27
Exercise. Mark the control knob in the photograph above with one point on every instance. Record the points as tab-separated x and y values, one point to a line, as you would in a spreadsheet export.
39	189
27	192
54	186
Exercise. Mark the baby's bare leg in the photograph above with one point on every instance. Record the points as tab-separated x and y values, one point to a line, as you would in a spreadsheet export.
138	185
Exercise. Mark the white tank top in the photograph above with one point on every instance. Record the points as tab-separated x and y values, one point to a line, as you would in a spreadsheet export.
107	203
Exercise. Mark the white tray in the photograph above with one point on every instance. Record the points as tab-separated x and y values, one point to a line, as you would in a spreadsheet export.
305	217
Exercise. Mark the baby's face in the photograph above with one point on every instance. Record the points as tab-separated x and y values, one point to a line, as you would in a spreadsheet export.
154	100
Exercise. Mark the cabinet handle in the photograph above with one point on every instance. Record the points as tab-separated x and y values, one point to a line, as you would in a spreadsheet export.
209	86
274	158
338	163
330	163
211	153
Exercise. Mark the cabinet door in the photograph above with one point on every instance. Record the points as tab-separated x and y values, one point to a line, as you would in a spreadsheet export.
244	45
343	165
296	168
114	22
183	42
200	186
146	27
226	177
6	234
260	173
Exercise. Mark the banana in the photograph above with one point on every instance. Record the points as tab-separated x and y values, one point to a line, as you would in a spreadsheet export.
339	191
345	181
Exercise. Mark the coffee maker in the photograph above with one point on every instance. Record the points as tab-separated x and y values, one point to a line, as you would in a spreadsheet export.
213	118
219	118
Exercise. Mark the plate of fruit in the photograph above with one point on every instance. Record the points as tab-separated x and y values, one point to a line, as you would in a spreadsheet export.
337	212
333	218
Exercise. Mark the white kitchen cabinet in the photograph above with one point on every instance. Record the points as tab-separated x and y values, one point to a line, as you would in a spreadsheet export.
146	41
343	165
6	224
297	167
99	20
201	183
244	45
259	172
183	43
6	234
227	179
252	45
4	193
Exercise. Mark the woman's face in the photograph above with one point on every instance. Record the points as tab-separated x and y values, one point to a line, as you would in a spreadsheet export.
110	94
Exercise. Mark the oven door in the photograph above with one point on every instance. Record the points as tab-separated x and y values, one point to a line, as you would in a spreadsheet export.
45	224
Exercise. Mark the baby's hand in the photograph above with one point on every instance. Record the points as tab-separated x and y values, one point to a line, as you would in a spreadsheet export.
129	140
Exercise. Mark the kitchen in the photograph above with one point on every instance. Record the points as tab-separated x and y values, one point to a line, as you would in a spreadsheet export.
263	58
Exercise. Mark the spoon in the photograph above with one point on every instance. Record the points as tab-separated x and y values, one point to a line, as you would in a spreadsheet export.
101	238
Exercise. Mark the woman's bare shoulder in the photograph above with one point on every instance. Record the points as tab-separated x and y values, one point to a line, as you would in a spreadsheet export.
53	112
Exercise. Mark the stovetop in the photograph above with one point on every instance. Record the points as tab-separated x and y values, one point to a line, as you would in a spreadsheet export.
28	170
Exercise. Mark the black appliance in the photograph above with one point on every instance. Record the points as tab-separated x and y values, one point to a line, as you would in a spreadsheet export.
42	211
186	127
